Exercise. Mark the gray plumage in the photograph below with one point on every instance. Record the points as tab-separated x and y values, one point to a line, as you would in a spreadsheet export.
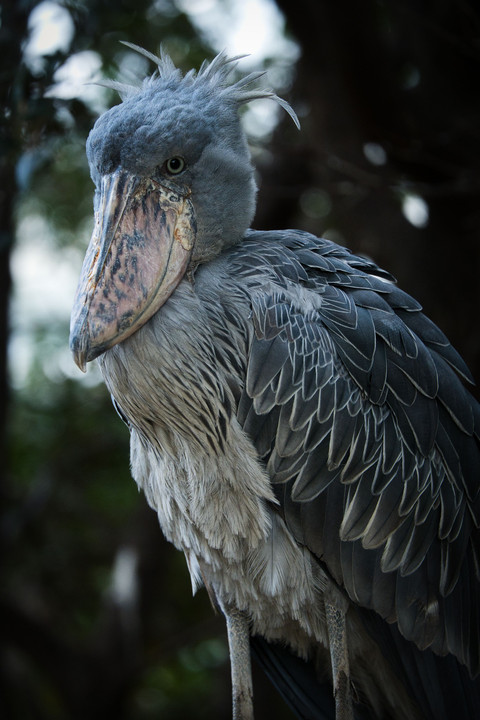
303	431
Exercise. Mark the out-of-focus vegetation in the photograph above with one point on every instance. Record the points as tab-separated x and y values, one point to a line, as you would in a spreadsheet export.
96	613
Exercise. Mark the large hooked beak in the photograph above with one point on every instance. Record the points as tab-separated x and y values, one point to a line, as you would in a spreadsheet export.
140	249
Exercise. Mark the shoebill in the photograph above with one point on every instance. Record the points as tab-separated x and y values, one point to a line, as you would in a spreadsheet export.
303	431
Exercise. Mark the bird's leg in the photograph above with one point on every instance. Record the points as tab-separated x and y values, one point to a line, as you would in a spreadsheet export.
239	644
337	635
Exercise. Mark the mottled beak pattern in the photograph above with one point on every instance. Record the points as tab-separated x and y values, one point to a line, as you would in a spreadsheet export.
139	251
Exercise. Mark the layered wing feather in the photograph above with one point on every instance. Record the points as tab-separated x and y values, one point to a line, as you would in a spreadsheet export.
354	401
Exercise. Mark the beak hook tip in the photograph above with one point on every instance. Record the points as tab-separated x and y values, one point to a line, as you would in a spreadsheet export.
79	348
81	364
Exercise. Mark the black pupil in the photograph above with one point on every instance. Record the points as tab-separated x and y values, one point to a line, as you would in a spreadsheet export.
174	164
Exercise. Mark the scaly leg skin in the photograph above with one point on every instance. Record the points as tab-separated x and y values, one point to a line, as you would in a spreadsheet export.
239	644
337	636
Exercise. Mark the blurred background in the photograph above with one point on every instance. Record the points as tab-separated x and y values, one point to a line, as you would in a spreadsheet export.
96	614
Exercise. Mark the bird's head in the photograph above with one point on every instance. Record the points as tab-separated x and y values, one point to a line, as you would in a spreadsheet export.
174	186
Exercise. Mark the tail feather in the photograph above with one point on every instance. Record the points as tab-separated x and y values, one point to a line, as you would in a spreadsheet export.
440	686
295	680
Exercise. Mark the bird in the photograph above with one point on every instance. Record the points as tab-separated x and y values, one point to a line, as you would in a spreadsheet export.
305	434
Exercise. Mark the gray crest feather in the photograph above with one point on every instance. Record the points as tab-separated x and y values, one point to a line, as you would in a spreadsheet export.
216	73
123	89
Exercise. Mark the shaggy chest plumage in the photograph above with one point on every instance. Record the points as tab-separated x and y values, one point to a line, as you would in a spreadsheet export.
201	472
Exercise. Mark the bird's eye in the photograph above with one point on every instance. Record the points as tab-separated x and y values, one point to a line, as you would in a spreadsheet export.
175	165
